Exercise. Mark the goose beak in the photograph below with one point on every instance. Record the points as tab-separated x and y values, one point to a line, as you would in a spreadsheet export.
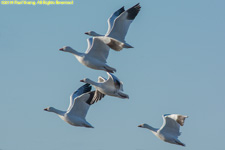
140	126
81	80
45	109
86	33
61	49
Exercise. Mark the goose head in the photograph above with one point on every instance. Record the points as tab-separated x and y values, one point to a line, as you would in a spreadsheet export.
86	80
154	130
92	33
66	49
143	125
49	109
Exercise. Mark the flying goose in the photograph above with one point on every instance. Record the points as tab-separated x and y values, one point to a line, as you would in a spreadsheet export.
80	102
169	131
112	87
118	24
95	55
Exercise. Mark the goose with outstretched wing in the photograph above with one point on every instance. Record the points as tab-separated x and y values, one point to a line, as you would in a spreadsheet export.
80	102
118	25
170	129
111	86
95	56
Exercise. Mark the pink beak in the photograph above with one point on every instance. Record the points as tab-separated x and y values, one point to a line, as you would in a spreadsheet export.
61	49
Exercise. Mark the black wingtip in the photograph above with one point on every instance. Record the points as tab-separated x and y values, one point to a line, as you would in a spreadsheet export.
119	11
133	11
87	87
89	101
137	6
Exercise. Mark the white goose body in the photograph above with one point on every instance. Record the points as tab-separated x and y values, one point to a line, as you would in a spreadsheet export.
80	102
95	56
112	86
72	119
91	62
118	25
169	131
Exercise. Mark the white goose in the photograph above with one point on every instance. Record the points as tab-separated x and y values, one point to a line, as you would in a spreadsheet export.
80	102
95	55
118	25
169	131
112	87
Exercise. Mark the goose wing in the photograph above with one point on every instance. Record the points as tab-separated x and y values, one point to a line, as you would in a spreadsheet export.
97	49
101	79
82	104
97	96
114	81
171	124
83	89
113	17
121	23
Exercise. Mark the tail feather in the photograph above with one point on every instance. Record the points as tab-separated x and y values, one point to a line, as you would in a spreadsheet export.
180	143
126	45
109	69
122	95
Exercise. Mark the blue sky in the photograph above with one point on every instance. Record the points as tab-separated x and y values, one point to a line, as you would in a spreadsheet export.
177	66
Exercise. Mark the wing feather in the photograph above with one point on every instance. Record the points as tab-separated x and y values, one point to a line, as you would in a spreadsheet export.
122	22
101	79
97	96
117	83
113	17
172	124
98	49
83	102
83	89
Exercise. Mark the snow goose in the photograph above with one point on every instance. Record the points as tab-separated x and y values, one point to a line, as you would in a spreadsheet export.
112	87
95	55
118	25
169	131
80	102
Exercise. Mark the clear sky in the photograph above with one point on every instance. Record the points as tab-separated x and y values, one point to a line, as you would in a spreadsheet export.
177	66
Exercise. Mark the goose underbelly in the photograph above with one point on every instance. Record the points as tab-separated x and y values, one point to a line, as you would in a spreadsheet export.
92	63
